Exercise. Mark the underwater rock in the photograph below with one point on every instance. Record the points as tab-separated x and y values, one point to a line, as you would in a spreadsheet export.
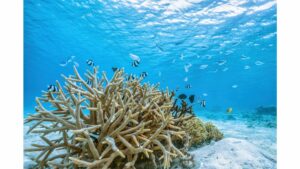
264	116
113	123
266	110
232	153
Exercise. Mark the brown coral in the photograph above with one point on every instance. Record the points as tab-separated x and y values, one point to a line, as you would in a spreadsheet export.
200	132
106	123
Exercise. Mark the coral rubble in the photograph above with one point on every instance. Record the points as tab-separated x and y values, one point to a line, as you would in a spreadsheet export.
102	123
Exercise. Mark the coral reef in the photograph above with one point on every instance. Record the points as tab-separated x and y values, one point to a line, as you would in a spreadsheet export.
266	110
105	123
182	109
200	132
117	123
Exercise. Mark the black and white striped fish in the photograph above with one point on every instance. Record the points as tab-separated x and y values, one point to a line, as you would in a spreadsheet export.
90	62
52	88
203	103
88	81
188	86
143	75
135	63
130	77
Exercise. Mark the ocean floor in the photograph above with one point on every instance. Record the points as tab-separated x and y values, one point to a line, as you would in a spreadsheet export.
246	145
243	147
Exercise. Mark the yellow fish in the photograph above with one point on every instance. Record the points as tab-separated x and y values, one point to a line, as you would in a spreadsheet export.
229	110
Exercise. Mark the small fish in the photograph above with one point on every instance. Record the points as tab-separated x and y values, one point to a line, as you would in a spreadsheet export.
182	96
90	62
188	86
143	74
186	79
228	52
114	69
177	88
187	67
258	63
243	57
70	59
94	136
134	57
63	64
135	63
88	81
203	67
205	94
225	69
52	88
246	67
221	62
181	56
204	47
203	103
191	98
130	77
159	47
159	74
235	43
229	110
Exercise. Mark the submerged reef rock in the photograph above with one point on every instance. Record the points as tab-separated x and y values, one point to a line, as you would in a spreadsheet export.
200	132
95	122
266	110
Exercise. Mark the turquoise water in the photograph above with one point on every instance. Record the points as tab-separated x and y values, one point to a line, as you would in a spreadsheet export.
225	50
224	44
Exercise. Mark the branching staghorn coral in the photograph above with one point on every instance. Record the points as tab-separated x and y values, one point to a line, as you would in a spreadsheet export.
105	123
182	110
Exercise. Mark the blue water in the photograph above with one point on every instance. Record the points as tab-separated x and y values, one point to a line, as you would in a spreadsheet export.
229	46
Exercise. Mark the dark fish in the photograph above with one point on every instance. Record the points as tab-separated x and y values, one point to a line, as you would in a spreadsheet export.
188	86
182	96
192	98
203	103
204	47
90	62
143	74
159	47
52	88
88	81
177	88
221	62
130	77
114	69
94	137
135	63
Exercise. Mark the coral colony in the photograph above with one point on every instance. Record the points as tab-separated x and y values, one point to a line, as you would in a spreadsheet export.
117	123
